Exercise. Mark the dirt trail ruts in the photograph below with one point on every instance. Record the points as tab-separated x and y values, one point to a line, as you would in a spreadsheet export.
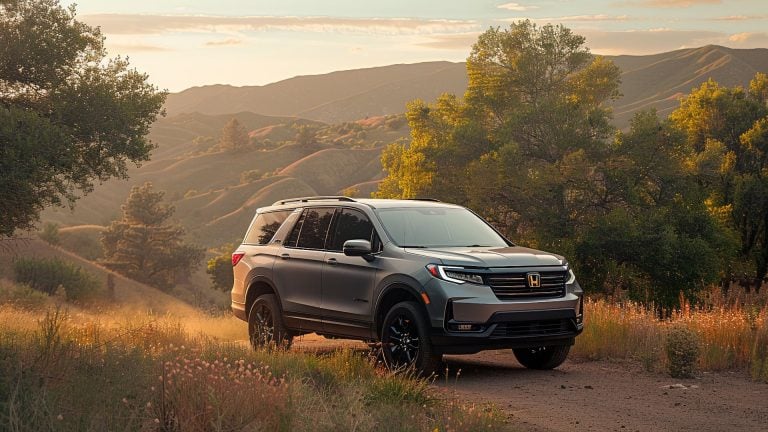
607	396
595	395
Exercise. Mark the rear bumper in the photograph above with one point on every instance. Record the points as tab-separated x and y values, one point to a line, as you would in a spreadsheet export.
238	309
523	329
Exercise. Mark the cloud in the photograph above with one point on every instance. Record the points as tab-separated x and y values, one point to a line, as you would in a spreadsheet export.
749	39
224	42
740	18
139	24
516	7
641	42
671	3
572	18
590	18
137	47
462	41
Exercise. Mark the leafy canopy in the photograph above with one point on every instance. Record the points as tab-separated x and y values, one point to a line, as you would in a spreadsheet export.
69	116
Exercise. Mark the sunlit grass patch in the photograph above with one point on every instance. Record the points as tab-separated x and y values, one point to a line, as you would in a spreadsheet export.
730	336
78	371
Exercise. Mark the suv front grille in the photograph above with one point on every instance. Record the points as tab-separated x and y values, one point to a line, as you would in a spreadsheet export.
533	328
511	286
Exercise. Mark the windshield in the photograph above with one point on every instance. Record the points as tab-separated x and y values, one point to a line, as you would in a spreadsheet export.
438	227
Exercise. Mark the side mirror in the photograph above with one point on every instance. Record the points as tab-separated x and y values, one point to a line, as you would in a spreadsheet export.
361	248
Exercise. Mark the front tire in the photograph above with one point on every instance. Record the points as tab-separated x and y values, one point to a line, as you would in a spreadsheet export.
405	340
265	324
542	358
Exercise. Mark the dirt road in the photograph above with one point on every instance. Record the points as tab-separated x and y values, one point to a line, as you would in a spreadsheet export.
608	396
598	396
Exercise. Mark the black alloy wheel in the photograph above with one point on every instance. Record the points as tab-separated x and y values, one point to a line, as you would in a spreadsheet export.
405	341
265	326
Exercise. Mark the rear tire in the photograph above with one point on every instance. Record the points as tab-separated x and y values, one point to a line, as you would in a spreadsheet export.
405	340
265	324
542	358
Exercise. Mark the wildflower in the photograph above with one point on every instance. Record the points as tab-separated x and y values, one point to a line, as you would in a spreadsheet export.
125	400
149	404
60	417
157	421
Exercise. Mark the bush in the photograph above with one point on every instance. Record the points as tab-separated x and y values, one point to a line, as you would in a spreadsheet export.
759	366
22	296
50	233
682	351
47	275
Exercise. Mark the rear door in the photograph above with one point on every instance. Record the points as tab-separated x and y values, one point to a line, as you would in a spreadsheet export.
348	281
298	268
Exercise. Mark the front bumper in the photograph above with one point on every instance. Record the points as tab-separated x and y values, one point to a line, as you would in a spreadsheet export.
524	329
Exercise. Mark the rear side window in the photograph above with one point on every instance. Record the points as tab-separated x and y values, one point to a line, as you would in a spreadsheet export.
311	229
264	227
351	225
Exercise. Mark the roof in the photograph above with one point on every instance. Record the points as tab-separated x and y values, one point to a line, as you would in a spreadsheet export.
372	202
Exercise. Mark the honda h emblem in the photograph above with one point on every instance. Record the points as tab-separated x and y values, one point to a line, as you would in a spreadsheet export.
534	280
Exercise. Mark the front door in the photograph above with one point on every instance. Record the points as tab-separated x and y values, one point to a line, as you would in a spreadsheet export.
348	281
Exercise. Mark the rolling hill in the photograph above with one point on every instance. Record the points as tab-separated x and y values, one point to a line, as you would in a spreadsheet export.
217	192
351	115
647	81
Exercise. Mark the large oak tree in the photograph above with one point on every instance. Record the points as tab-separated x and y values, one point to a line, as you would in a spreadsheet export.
69	116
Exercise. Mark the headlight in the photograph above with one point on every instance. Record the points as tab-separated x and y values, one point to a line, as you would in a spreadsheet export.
571	277
454	274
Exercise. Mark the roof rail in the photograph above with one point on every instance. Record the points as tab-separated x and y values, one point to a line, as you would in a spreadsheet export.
424	199
314	198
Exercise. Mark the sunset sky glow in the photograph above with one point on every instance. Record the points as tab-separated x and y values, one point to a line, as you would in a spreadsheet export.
245	42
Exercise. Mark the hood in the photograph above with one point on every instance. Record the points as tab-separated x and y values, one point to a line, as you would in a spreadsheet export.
514	256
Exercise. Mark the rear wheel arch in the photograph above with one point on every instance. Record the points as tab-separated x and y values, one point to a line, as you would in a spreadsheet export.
257	288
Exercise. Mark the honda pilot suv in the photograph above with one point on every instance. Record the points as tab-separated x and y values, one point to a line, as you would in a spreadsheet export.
423	278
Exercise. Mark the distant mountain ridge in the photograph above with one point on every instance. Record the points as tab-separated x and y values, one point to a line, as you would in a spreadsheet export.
648	81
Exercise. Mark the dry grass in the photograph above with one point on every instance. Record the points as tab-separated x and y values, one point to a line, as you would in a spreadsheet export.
81	371
731	334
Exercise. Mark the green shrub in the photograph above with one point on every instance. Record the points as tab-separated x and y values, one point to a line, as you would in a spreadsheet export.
50	233
759	363
47	275
22	296
682	351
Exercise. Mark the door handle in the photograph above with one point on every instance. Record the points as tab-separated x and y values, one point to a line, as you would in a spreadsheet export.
331	261
285	256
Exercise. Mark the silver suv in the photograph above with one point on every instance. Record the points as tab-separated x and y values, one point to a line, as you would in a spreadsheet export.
423	278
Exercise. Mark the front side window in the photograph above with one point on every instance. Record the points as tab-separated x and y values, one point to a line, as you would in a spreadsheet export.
351	225
311	229
438	227
265	226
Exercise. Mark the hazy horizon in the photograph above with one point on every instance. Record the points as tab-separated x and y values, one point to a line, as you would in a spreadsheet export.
183	44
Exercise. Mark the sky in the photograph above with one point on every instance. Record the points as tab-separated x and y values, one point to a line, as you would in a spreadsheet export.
181	44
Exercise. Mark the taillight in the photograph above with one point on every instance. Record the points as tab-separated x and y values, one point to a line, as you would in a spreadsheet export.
236	257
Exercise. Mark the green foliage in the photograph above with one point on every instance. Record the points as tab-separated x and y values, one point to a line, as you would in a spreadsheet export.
47	275
220	267
728	128
653	234
234	136
144	246
682	349
759	364
250	176
50	233
68	115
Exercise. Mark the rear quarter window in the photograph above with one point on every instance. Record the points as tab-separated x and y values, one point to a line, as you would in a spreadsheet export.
265	226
